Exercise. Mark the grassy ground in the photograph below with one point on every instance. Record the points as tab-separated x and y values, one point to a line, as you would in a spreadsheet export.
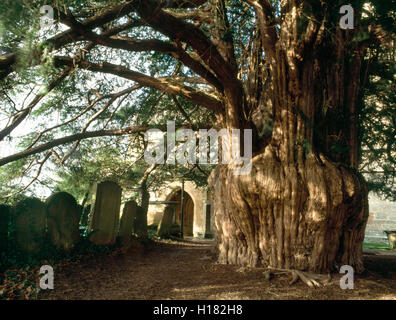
376	246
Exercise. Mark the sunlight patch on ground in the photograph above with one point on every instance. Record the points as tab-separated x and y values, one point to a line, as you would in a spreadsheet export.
387	297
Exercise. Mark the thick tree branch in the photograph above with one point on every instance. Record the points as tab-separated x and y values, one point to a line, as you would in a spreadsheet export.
163	84
265	16
197	15
68	139
222	34
179	30
81	136
137	45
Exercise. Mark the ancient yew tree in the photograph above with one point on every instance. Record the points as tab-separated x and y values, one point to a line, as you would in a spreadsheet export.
284	69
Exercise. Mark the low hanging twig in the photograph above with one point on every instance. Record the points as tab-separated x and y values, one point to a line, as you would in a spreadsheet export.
33	180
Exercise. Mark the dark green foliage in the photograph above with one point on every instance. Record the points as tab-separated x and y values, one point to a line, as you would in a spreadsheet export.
378	122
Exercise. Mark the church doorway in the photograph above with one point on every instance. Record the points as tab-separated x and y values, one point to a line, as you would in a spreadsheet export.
188	212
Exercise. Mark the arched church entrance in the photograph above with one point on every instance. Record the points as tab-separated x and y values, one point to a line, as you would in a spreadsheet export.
188	212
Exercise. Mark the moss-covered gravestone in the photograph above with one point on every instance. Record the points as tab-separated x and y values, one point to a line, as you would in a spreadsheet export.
164	228
30	225
104	220
5	212
127	223
63	214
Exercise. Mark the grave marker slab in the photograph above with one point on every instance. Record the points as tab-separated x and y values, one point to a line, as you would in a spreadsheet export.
63	214
127	222
104	220
30	225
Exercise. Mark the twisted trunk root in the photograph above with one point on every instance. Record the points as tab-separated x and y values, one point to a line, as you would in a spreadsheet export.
312	280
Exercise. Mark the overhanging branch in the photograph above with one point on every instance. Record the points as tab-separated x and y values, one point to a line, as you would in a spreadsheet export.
138	45
162	84
69	139
179	30
265	16
80	136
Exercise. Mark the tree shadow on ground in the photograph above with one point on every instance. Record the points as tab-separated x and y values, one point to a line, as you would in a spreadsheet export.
188	270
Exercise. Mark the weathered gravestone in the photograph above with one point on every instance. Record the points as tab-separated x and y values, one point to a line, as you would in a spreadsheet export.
63	214
5	212
165	226
141	223
127	223
104	220
30	225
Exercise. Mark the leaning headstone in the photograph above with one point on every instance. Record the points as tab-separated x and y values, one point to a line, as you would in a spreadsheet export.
30	225
63	214
164	228
5	212
141	223
127	223
104	220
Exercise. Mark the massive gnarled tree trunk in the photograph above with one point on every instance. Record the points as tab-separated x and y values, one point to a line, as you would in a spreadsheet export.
303	206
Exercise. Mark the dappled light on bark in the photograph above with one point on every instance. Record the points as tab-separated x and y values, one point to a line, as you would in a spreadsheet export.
311	218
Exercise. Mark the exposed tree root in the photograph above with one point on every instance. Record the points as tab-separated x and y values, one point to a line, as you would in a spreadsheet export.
313	280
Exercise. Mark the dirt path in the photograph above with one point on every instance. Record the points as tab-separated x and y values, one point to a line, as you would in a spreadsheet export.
188	271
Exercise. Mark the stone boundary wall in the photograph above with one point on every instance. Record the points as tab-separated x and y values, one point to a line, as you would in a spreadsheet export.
382	217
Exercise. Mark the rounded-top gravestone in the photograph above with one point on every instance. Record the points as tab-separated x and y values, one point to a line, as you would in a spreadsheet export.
30	225
165	226
63	214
